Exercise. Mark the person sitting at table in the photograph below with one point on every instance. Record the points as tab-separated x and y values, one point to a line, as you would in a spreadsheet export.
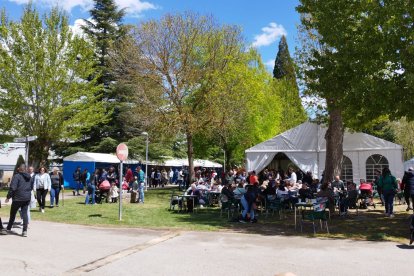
327	192
350	199
270	191
196	195
282	192
305	192
214	187
227	191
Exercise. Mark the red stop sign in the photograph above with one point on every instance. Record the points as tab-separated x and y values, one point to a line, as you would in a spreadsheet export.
122	152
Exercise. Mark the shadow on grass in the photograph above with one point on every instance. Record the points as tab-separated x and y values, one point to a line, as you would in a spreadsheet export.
95	216
371	225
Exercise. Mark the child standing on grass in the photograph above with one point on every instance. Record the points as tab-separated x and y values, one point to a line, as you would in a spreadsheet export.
113	192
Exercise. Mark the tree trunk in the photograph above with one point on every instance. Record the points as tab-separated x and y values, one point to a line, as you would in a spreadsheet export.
39	153
190	152
334	145
228	158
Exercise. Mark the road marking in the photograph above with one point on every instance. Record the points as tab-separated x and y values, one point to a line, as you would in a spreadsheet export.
120	254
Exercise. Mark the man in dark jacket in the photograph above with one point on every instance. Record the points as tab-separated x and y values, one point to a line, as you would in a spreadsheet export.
20	193
408	181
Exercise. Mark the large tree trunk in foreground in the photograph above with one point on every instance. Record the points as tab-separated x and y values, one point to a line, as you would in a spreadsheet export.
334	145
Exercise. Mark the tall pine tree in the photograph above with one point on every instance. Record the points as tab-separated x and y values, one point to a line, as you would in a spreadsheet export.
284	74
105	29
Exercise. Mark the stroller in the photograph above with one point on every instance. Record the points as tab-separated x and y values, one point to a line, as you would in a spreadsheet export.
366	197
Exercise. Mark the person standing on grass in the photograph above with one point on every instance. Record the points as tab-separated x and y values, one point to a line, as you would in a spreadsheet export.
140	179
20	193
43	185
408	182
388	185
93	183
56	179
77	176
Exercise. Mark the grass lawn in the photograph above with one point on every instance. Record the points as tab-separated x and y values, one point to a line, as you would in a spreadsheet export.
368	225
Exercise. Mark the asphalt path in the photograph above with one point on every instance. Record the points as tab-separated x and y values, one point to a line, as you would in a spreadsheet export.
64	249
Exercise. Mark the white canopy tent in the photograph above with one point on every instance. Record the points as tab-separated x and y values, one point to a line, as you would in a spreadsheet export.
197	163
305	146
408	164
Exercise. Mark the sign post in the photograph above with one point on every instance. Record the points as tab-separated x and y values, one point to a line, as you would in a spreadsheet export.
25	140
122	154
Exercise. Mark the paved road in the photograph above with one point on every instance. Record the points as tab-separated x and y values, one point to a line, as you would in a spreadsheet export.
56	249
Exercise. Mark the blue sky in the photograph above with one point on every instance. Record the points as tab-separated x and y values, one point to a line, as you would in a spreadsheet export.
262	21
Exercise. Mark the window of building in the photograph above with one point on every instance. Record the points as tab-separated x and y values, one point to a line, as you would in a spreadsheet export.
347	173
375	162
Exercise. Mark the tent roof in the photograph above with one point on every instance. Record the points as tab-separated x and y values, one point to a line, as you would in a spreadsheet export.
110	158
310	137
197	163
92	157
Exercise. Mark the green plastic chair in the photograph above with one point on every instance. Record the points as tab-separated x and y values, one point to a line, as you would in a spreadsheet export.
314	215
274	205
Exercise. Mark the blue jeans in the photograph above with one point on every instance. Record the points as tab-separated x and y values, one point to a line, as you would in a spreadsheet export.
54	196
247	208
91	193
141	194
389	201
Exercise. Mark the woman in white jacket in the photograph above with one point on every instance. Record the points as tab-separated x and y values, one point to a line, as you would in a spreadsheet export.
42	184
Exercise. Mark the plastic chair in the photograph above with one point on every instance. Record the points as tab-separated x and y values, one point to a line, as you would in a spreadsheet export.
274	205
226	205
319	213
175	200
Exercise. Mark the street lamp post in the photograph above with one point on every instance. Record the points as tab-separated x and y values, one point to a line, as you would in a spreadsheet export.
146	161
224	163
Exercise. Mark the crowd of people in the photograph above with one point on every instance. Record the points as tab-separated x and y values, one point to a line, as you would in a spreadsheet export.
251	190
248	190
27	186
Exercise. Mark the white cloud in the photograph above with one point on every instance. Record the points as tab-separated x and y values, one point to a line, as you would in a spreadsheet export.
77	27
269	35
270	63
134	8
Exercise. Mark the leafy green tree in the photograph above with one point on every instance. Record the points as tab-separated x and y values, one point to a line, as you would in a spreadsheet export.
357	55
247	111
48	81
284	73
404	133
171	64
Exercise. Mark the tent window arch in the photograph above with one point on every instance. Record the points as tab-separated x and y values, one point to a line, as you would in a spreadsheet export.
375	162
347	173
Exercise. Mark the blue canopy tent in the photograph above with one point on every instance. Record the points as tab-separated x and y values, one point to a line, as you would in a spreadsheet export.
90	161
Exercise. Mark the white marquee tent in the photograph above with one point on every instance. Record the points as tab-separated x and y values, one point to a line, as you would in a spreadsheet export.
305	146
408	164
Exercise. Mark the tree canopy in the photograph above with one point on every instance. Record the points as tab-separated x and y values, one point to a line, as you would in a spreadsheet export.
356	55
48	81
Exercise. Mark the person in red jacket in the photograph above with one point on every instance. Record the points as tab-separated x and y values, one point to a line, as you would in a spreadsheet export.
129	177
253	178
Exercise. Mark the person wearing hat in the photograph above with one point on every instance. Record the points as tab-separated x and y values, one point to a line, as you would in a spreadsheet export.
56	184
408	182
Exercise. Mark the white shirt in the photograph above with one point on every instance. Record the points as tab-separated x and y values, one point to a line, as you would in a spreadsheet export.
293	178
43	178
